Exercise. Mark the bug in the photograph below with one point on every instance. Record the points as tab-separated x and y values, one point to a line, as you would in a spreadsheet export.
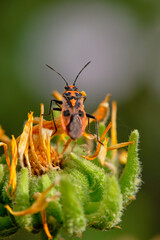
73	115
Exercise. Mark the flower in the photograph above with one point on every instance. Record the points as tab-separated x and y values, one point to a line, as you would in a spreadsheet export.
53	185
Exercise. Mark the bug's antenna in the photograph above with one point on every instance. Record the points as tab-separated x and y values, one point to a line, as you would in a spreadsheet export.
80	72
57	73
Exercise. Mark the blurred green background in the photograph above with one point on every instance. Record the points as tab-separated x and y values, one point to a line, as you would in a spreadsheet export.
122	39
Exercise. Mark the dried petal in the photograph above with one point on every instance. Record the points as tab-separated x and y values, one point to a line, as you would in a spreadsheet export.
24	138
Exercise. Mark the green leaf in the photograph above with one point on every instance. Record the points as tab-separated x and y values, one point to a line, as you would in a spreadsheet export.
54	208
81	185
94	174
130	178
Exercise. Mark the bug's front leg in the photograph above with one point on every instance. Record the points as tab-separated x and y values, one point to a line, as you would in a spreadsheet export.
93	117
58	103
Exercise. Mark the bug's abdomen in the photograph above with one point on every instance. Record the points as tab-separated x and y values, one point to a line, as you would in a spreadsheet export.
73	117
74	124
75	127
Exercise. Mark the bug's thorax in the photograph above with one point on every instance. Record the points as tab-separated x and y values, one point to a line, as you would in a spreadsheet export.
72	97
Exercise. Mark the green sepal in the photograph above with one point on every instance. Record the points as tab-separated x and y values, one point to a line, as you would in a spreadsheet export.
94	174
3	210
6	227
101	128
5	223
130	178
110	208
73	214
34	187
4	196
81	185
54	208
1	179
8	232
92	207
3	159
52	174
53	211
1	173
22	201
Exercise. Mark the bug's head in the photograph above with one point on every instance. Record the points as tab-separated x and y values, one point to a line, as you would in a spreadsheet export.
69	87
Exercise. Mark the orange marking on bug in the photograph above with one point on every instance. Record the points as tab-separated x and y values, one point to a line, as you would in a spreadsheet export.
73	102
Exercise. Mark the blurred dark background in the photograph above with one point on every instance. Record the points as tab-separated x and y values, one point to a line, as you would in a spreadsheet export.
122	39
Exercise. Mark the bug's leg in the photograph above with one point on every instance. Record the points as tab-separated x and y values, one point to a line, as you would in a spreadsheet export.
88	126
51	111
58	103
93	117
54	109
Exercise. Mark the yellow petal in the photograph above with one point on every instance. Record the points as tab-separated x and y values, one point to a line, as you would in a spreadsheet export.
57	95
44	137
50	125
39	205
114	127
89	136
12	170
119	145
102	111
123	154
45	225
27	159
6	153
4	138
103	152
66	145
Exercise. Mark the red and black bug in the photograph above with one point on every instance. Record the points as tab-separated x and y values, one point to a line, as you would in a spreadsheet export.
73	115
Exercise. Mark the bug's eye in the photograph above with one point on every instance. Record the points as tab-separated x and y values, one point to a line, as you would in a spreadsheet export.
80	113
66	113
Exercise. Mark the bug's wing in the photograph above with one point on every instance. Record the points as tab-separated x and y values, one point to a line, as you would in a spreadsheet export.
74	128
